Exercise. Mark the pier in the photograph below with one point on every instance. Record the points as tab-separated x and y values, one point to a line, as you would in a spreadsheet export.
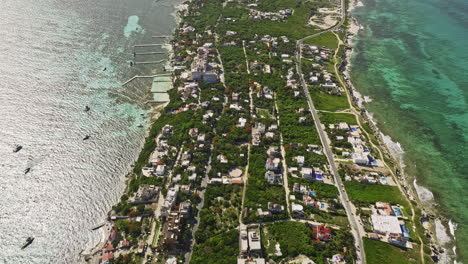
149	62
160	36
147	45
149	53
145	76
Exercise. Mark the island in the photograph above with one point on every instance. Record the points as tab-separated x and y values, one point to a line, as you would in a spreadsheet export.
262	153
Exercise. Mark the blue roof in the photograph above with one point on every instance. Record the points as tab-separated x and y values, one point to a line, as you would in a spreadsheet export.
318	176
354	129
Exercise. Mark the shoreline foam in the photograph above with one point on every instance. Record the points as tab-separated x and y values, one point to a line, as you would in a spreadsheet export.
443	238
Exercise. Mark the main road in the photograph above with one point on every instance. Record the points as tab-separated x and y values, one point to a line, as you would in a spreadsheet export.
355	227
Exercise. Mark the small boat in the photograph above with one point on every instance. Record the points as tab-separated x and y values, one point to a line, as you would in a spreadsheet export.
87	108
87	137
28	242
105	68
17	148
27	170
98	226
140	125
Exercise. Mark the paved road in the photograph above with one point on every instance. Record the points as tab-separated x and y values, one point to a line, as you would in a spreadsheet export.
343	195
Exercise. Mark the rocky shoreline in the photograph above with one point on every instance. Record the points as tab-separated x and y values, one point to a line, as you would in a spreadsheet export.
430	220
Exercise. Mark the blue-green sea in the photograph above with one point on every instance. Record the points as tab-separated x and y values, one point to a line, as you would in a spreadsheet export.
411	59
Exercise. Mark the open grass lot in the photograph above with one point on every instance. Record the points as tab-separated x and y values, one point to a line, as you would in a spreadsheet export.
328	40
374	193
383	253
334	118
294	26
327	102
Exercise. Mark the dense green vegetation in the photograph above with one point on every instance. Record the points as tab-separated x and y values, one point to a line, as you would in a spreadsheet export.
259	191
219	249
220	211
298	238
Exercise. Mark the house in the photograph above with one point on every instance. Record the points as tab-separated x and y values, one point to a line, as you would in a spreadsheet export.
322	233
184	208
201	138
262	213
235	97
243	242
307	173
167	130
171	229
222	158
251	261
242	122
192	177
360	158
273	127
260	127
169	200
343	126
255	244
300	160
272	177
272	164
275	208
273	151
193	132
160	170
297	208
309	201
237	180
384	208
337	259
147	192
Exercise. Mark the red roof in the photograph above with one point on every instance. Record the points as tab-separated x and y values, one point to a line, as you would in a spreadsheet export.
126	243
107	256
110	247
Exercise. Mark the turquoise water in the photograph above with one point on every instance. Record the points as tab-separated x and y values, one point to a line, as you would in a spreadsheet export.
412	59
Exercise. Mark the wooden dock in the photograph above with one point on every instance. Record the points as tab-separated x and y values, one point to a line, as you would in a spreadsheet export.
160	36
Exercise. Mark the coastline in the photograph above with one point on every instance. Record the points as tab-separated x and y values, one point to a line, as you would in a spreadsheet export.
386	144
439	226
94	253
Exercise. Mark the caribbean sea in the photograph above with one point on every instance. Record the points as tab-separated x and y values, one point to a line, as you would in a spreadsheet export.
411	59
56	58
